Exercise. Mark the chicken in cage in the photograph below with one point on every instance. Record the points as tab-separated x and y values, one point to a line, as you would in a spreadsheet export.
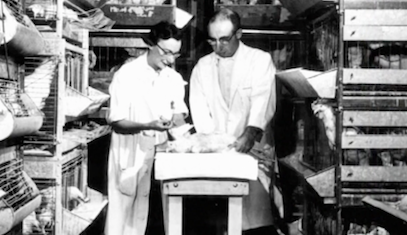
363	157
67	194
389	56
376	55
73	174
41	221
42	9
325	45
283	54
45	214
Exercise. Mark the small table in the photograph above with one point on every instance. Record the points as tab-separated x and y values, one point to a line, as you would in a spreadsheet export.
207	174
233	189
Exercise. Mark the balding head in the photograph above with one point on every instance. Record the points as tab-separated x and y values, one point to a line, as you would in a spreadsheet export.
226	14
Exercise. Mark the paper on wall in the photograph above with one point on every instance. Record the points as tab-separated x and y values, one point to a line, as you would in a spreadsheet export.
308	83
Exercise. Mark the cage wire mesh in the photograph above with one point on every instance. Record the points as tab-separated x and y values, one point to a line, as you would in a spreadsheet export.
73	181
40	83
375	55
109	58
71	187
42	220
41	10
383	55
105	60
12	181
323	56
286	50
10	95
17	11
324	44
74	72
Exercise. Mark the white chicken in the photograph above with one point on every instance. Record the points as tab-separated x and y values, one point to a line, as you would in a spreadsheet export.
326	114
74	194
202	143
46	219
402	204
31	225
378	231
37	10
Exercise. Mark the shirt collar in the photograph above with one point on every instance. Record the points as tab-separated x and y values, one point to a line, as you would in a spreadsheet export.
232	58
149	68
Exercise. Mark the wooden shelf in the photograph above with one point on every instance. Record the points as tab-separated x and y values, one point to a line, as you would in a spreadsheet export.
138	15
256	16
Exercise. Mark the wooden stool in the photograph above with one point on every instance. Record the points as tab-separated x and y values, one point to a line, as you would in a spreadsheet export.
233	189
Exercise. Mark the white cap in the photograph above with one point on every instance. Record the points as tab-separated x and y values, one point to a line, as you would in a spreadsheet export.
182	18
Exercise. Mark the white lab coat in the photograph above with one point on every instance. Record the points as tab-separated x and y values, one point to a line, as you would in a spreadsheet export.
252	103
140	94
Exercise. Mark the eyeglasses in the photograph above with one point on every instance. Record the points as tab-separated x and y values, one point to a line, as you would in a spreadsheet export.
222	40
168	52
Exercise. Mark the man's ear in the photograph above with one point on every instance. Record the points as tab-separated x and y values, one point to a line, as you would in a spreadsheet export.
239	33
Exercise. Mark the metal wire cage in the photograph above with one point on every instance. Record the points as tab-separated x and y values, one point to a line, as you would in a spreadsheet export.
13	184
41	10
16	7
379	55
44	215
9	93
108	58
323	43
286	48
74	71
59	199
40	83
73	183
105	60
375	56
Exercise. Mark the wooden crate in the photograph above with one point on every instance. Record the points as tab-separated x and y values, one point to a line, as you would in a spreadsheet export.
256	16
138	15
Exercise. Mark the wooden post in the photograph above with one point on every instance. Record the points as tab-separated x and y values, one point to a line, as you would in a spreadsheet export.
235	210
175	215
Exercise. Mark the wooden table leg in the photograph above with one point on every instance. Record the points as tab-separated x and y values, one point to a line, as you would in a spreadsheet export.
175	215
235	216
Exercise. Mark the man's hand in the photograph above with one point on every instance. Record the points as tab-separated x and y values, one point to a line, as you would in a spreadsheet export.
246	141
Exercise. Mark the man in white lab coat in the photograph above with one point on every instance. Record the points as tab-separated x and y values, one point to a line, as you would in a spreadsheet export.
232	90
